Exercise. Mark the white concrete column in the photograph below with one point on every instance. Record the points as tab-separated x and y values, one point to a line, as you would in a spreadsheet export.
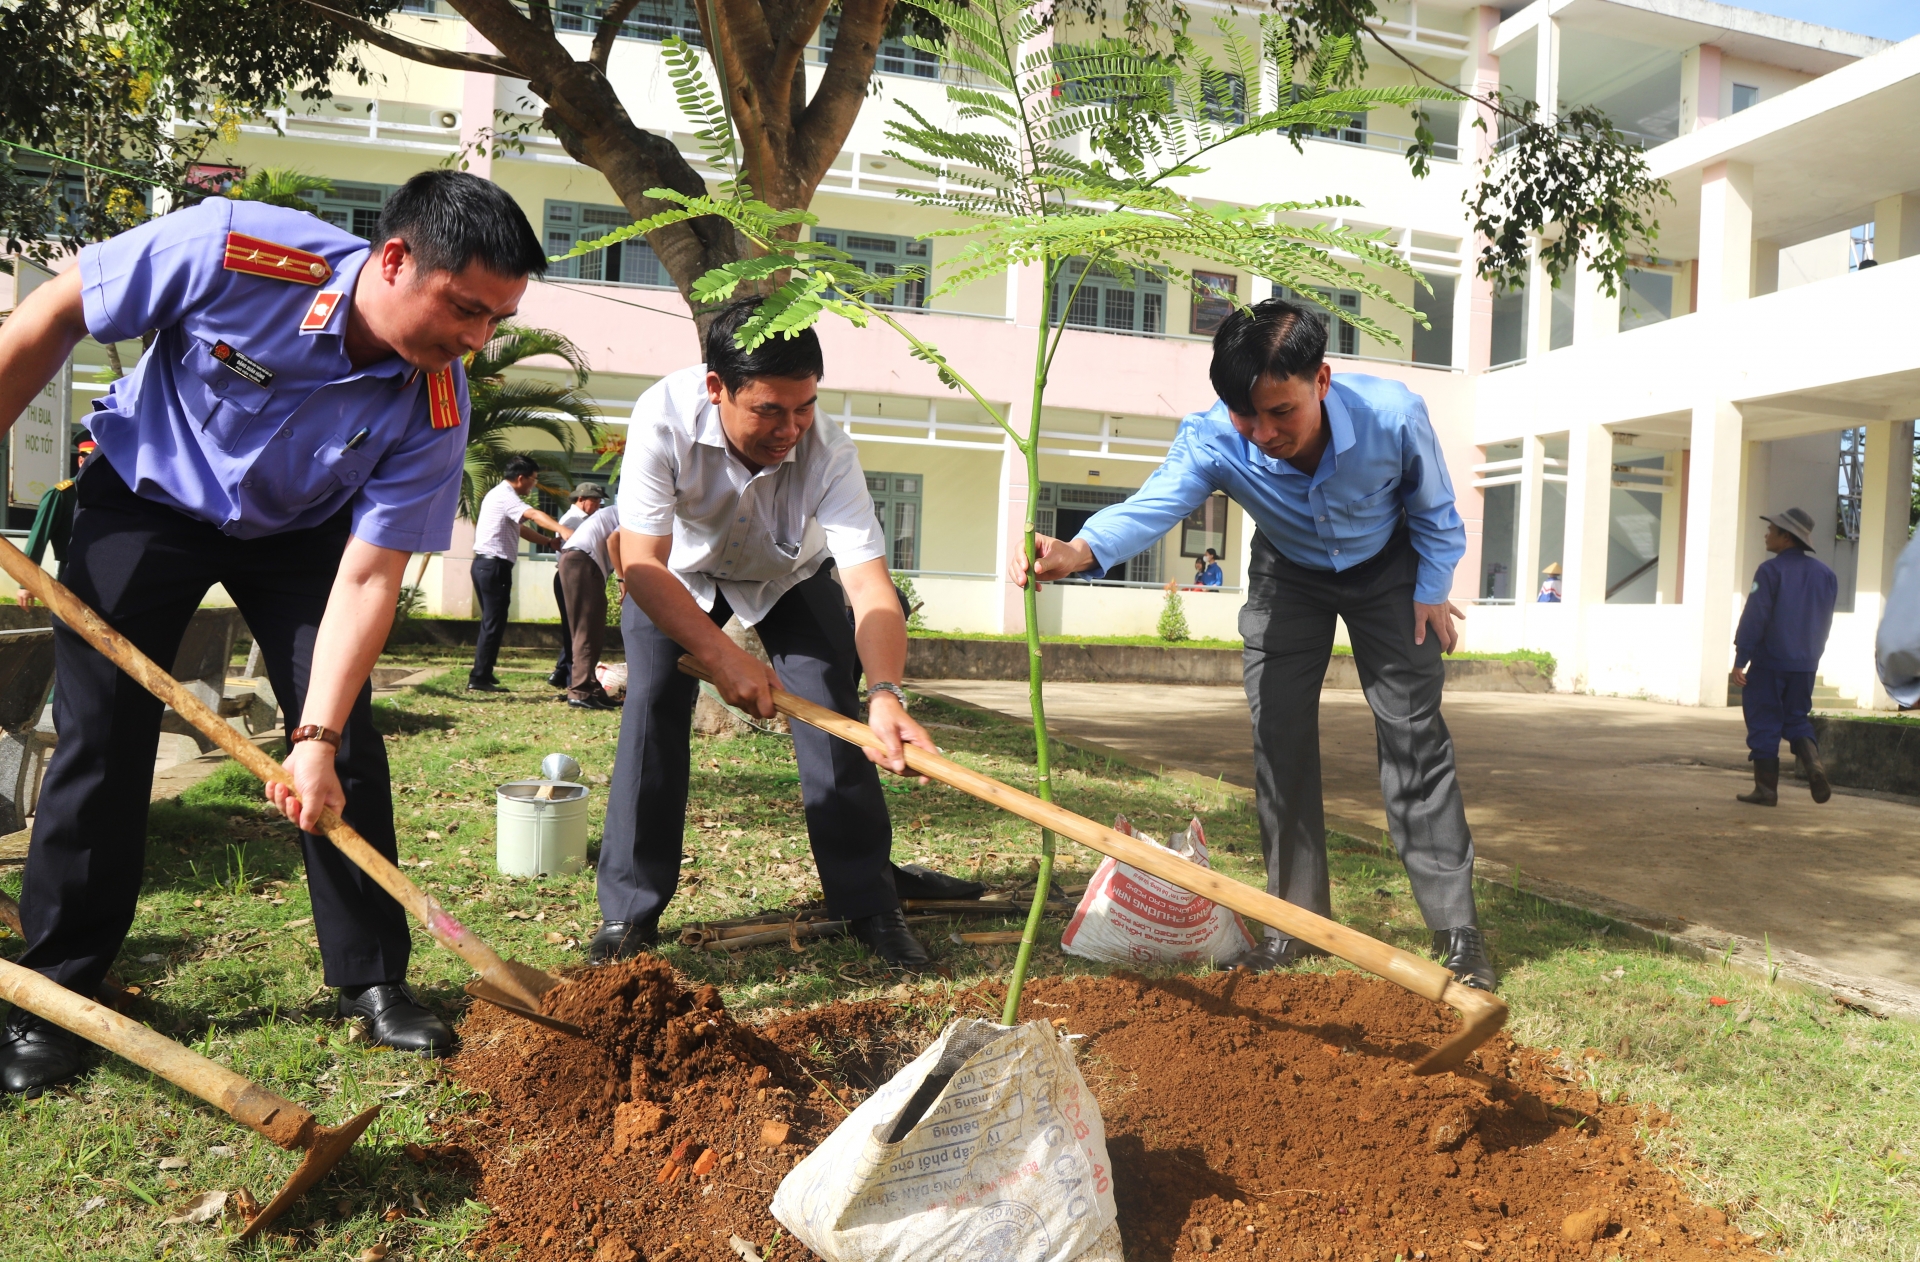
476	109
1712	550
1473	312
1546	65
1766	266
1667	577
1757	497
1526	520
1596	313
1884	509
1726	234
1010	523
1896	227
1584	557
1539	308
1699	88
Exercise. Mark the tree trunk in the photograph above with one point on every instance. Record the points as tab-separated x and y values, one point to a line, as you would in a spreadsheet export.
788	142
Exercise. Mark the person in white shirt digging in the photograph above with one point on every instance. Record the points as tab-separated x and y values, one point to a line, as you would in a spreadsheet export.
733	501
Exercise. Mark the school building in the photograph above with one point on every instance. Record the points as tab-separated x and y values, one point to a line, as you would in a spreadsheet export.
1761	355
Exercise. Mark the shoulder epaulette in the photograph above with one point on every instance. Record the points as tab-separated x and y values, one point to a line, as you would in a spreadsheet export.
257	257
443	401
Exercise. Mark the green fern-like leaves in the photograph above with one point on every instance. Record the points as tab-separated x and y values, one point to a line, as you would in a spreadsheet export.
686	68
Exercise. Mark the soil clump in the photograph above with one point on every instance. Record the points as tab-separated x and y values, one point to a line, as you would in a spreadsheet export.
663	1133
1246	1117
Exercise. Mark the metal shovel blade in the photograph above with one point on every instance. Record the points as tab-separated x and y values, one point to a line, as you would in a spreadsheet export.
328	1146
532	981
1481	1014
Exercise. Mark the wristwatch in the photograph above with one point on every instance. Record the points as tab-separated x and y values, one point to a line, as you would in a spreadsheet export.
884	686
314	732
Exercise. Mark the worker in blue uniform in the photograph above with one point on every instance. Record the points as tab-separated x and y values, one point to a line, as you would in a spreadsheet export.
1777	648
295	433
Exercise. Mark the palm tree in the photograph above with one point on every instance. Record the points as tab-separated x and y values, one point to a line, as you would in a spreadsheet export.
500	406
281	186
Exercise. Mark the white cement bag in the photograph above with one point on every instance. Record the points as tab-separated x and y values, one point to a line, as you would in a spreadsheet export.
987	1148
1128	917
613	678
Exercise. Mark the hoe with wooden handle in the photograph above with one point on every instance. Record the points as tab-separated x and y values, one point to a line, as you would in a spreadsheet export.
504	983
1482	1013
282	1121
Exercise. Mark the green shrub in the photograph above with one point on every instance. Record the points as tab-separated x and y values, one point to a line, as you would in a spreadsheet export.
1173	618
914	621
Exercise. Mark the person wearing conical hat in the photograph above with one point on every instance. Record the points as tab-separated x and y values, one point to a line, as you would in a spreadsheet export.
1550	585
1777	648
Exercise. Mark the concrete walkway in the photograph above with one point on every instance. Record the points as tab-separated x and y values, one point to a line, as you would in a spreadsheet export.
1629	799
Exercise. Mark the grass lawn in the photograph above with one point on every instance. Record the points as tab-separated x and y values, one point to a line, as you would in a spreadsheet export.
1798	1116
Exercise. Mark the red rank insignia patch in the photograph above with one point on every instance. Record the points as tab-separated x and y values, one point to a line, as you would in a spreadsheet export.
320	314
259	257
443	402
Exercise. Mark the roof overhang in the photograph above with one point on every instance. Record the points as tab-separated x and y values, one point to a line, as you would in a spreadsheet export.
1684	24
1822	154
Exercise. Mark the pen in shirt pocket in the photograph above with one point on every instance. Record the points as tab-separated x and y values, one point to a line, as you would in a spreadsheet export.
359	437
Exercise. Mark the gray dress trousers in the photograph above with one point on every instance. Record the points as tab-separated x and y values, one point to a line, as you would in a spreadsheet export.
1288	626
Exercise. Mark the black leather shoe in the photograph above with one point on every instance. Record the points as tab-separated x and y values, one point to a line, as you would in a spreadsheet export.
888	937
914	881
492	685
559	679
1807	754
1464	952
35	1054
1272	953
394	1018
622	940
598	701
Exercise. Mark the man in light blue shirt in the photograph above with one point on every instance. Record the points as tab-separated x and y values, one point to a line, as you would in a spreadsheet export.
1345	480
295	432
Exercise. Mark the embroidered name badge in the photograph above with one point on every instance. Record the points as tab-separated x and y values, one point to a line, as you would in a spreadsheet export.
244	366
257	256
320	314
443	402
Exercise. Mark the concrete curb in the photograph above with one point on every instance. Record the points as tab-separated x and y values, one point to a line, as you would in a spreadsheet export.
938	658
1878	995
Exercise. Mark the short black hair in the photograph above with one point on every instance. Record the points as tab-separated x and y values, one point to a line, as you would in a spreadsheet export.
1277	337
791	357
1213	554
518	467
450	219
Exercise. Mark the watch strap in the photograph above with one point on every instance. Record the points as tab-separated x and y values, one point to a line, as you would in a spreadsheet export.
315	732
893	688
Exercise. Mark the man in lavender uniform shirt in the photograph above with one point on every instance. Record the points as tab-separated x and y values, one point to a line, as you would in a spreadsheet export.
1345	480
295	433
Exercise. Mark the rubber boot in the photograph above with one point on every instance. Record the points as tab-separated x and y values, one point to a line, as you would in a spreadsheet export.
1807	754
1766	783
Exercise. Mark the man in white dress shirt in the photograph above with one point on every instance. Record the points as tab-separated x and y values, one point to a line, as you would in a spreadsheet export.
504	520
733	501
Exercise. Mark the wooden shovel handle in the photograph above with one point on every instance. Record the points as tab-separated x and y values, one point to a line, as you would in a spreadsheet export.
73	611
1484	1013
280	1120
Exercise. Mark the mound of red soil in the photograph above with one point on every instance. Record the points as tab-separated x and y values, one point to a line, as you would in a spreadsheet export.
661	1135
1247	1117
1279	1117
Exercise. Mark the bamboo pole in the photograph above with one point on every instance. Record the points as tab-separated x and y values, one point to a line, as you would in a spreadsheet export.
281	1121
513	986
1482	1014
